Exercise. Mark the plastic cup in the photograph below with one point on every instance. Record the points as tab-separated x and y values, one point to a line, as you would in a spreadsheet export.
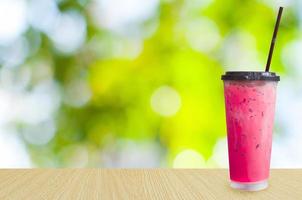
250	108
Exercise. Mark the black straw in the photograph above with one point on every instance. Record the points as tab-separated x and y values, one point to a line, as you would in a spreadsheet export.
271	50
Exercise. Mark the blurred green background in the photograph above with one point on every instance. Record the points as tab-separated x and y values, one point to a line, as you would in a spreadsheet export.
130	83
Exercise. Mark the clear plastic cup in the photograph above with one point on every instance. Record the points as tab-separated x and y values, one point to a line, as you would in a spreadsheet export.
250	108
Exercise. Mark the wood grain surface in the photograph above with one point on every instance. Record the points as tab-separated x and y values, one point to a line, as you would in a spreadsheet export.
139	184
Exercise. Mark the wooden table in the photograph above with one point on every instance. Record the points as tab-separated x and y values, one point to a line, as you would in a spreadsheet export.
139	184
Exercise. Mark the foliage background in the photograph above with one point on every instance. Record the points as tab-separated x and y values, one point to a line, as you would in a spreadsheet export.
130	83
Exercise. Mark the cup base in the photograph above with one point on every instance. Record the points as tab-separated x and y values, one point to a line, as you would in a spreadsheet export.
255	186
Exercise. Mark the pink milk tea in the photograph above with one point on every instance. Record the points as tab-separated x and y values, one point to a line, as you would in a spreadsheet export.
250	108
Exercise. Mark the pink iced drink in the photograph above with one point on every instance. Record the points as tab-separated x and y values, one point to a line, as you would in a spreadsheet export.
250	108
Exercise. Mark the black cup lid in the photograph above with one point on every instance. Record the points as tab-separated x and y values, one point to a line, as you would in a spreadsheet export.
250	76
